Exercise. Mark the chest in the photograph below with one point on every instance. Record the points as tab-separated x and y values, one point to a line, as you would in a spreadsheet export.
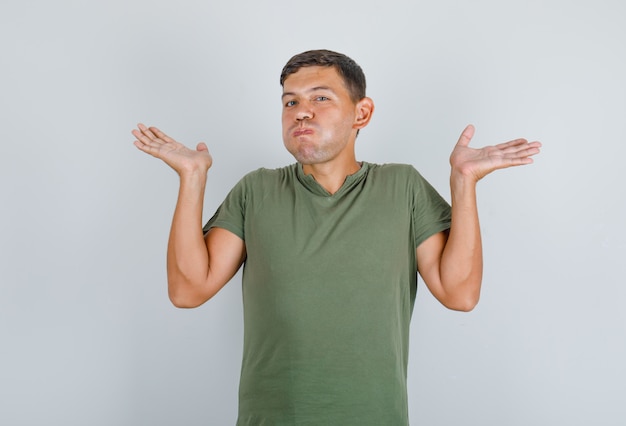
296	228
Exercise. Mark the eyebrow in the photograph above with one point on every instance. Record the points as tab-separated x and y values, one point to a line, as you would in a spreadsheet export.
313	89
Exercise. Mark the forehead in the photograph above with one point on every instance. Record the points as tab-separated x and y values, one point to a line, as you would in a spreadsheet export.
307	78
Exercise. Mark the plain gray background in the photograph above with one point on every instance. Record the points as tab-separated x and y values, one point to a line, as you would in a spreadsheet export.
88	336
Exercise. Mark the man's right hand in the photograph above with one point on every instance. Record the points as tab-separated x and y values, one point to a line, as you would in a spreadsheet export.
176	155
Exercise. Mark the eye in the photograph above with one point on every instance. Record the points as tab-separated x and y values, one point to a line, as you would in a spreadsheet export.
290	103
321	98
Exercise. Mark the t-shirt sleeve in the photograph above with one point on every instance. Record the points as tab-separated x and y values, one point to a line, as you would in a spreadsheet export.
431	213
230	214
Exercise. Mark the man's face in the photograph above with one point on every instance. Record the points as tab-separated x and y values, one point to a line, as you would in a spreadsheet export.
318	116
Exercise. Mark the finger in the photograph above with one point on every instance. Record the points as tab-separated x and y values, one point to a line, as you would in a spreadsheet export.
149	146
528	152
522	148
142	138
146	131
512	144
505	163
150	149
519	142
140	145
520	161
161	135
519	158
146	136
466	136
201	147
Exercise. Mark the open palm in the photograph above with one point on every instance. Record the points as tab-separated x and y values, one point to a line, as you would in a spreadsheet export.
182	159
479	162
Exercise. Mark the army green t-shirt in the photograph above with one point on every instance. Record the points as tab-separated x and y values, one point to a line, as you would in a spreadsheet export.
329	285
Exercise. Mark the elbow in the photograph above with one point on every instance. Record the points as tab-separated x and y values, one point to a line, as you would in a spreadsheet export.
466	305
185	299
183	303
464	301
463	296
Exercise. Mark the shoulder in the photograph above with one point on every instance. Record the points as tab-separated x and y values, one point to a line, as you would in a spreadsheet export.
402	178
264	176
391	168
395	171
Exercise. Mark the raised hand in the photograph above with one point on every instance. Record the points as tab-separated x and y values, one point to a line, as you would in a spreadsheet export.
176	155
477	163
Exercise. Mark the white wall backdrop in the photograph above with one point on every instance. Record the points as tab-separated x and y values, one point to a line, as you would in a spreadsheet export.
88	336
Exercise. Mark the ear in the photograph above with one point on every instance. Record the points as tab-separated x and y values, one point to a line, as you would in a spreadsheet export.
364	110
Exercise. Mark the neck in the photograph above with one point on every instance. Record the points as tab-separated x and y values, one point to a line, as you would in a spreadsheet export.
329	176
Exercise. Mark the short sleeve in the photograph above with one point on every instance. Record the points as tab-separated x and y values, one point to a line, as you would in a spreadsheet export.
230	214
431	213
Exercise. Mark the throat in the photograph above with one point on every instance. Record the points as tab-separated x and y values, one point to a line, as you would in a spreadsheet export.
331	179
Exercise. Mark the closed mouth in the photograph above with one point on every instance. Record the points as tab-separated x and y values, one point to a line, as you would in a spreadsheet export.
301	132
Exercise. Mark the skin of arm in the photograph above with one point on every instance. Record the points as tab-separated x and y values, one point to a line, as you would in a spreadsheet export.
198	265
451	262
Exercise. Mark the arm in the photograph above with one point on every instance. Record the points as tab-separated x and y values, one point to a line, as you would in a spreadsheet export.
451	262
198	266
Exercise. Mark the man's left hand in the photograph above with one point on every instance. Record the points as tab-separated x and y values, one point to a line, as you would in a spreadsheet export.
477	163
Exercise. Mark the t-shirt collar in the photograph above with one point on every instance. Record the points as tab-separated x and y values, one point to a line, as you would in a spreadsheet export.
309	182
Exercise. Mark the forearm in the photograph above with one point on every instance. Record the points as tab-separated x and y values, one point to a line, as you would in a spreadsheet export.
456	273
187	254
462	261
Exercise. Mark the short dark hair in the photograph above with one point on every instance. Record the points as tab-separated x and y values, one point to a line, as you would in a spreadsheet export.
349	70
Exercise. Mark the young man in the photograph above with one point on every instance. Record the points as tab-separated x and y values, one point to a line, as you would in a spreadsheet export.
330	248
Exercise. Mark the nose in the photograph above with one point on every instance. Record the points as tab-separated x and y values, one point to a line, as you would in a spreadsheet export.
304	113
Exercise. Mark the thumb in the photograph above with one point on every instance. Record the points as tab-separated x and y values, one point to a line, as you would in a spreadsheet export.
466	136
201	147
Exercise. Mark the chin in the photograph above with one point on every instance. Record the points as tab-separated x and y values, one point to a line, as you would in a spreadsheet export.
305	161
303	157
